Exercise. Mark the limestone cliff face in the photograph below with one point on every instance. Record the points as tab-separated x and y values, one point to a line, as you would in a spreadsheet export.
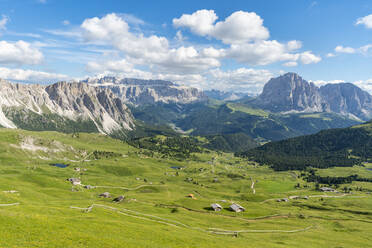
348	99
70	100
290	92
138	91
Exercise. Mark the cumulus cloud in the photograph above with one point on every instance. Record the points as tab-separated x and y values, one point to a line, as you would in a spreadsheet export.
330	55
19	52
365	85
350	50
246	36
324	82
114	66
294	45
267	52
342	49
241	79
366	21
153	50
309	58
239	27
29	75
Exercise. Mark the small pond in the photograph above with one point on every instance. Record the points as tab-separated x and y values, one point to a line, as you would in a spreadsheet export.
177	167
60	165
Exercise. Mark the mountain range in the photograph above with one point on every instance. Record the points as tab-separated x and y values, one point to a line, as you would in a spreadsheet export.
290	92
289	106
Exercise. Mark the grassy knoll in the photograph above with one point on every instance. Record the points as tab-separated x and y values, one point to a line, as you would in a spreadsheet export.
248	110
156	211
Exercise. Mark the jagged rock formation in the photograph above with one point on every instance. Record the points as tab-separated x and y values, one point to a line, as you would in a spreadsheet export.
290	92
76	102
348	99
138	91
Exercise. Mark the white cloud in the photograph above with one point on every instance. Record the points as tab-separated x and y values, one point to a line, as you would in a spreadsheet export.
350	50
241	79
153	50
113	66
158	57
365	85
330	55
29	75
291	64
324	82
200	22
366	21
121	68
239	27
261	53
309	58
3	21
19	52
31	35
294	45
106	28
247	37
365	49
179	36
66	22
129	18
342	49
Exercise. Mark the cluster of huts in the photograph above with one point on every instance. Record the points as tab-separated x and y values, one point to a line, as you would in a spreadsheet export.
120	198
233	207
77	181
293	197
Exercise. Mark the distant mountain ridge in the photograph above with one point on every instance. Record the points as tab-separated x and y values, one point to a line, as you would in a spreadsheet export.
40	107
141	91
290	92
225	95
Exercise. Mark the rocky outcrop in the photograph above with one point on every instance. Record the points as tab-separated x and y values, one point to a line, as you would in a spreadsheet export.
138	91
348	99
291	93
74	101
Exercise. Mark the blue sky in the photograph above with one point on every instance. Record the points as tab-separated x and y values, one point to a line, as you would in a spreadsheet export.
228	45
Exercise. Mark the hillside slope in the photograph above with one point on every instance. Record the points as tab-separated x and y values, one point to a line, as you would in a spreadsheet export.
39	207
328	148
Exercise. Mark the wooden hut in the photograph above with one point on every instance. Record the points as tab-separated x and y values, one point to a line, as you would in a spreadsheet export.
237	208
216	207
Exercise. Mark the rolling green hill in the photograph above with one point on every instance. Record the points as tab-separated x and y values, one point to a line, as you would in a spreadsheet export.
40	208
219	118
328	148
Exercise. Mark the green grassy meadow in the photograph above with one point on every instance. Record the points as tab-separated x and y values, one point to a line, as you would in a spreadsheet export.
156	211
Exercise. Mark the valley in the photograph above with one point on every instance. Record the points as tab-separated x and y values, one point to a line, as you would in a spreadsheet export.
45	209
148	161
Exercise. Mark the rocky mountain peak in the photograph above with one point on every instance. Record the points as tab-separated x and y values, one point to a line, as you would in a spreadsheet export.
290	92
141	91
72	101
348	99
